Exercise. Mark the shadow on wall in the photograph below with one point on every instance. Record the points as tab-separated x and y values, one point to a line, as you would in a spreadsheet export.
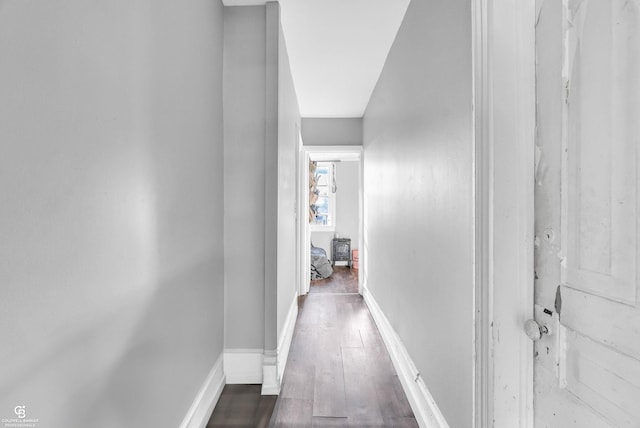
136	357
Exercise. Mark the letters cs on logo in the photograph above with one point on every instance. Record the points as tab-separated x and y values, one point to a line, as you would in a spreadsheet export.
21	411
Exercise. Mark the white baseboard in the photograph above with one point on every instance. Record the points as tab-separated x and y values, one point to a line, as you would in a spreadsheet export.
424	407
200	411
243	366
286	336
257	366
270	382
275	361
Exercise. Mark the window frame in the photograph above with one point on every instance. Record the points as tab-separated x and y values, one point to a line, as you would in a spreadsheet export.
331	201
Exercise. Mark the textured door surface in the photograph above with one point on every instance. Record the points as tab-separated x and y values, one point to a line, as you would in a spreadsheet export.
587	371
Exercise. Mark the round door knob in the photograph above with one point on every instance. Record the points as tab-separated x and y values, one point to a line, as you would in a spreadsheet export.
535	330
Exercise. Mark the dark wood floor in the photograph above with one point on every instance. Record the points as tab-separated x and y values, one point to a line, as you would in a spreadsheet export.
242	406
339	372
343	280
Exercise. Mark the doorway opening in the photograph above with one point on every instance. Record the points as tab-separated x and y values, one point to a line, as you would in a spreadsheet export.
331	221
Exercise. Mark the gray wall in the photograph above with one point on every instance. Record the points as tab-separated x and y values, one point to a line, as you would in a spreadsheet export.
419	198
332	131
111	220
288	150
347	210
261	126
244	175
271	179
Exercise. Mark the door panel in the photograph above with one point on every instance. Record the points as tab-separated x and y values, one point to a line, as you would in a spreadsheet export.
602	149
587	371
602	320
603	378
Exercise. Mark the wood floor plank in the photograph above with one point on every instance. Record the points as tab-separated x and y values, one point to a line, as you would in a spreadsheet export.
328	343
296	382
407	422
371	339
403	401
304	344
293	413
265	410
328	316
343	280
329	395
349	326
242	406
321	422
362	401
392	405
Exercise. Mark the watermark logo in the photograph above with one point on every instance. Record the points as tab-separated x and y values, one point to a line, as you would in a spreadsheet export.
21	420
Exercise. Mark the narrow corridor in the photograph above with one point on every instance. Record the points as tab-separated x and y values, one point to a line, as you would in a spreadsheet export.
339	372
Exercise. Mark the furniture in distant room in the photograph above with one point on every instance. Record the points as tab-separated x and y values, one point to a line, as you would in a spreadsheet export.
355	258
321	268
341	251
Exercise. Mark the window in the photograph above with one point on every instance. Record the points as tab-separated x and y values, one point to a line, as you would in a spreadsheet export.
325	205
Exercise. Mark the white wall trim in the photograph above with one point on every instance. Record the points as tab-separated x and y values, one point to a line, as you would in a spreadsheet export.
483	290
424	407
504	107
243	366
285	338
303	223
202	407
361	225
270	382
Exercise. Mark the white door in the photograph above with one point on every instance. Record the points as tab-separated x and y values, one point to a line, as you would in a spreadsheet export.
587	370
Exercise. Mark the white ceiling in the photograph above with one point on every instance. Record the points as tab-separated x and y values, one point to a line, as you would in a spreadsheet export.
337	49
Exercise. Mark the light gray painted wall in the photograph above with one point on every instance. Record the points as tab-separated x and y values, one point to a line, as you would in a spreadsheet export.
271	178
261	147
347	211
419	198
332	131
111	223
288	141
244	175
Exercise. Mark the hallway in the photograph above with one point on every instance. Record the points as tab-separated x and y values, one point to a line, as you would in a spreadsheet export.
339	372
155	186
